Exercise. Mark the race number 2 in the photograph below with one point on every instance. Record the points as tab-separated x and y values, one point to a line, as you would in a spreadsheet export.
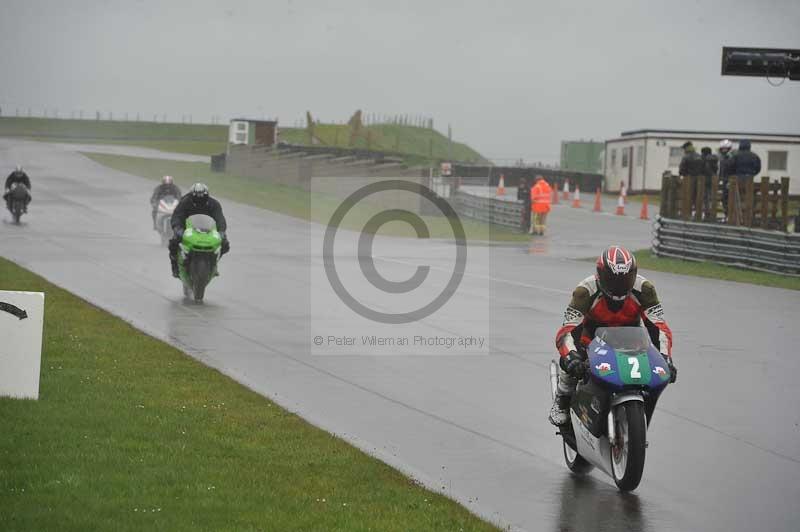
634	362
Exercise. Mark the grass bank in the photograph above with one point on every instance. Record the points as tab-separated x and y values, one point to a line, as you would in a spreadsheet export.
131	434
290	200
648	261
416	145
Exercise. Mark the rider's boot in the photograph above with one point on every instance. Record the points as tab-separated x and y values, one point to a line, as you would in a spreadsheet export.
559	412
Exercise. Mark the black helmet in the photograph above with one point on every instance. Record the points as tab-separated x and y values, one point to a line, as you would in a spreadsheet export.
199	194
616	273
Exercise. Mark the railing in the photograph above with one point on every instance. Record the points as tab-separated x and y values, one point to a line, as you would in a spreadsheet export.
489	210
755	249
744	202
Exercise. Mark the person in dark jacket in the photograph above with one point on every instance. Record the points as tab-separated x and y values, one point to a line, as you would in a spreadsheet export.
725	147
166	188
691	164
196	201
18	176
710	171
744	164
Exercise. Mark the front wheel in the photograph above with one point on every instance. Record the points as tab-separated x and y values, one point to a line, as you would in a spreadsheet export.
575	462
16	211
628	452
200	275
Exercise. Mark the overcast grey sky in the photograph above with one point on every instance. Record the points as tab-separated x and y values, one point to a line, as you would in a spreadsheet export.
513	78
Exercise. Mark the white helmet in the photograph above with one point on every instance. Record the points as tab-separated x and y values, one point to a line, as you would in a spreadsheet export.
725	145
167	179
18	168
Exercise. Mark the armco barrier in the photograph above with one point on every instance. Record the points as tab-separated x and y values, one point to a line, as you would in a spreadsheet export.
755	249
490	210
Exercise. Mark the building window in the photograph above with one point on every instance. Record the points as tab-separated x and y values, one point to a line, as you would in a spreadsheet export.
625	158
776	160
639	155
675	156
241	126
241	137
614	158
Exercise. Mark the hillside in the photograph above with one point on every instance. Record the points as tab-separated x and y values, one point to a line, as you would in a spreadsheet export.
417	145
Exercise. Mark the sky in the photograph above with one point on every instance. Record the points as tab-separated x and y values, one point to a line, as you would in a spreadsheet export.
513	78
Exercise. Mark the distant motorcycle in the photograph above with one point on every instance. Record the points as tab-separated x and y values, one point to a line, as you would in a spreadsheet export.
17	198
199	253
166	206
612	406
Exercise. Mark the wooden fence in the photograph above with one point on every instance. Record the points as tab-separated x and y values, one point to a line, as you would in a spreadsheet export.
749	202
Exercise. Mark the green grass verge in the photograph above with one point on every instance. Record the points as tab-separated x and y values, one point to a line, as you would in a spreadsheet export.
648	261
415	144
290	200
131	434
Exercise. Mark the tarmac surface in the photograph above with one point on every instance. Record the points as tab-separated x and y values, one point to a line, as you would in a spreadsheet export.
724	445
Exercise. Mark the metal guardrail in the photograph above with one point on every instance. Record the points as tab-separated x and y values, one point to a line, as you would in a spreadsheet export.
754	249
490	210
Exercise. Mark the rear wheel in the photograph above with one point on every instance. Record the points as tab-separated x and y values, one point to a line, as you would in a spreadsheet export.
628	453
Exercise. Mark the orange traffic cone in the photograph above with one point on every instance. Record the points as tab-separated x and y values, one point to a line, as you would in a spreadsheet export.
555	196
597	206
643	214
620	206
501	186
576	198
566	190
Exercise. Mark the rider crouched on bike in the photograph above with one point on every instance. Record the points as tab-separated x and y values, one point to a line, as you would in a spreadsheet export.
616	296
196	201
162	190
18	176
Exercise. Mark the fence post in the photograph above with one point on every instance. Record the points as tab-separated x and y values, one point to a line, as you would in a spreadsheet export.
666	183
784	204
698	197
686	197
712	207
747	214
733	200
764	193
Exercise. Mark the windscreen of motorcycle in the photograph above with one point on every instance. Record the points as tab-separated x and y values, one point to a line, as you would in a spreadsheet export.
202	223
624	339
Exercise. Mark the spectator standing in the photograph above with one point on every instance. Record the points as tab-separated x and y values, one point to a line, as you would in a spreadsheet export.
725	148
710	169
744	164
524	195
541	195
691	165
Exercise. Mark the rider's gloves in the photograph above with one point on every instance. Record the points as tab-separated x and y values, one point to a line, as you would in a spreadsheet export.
573	364
226	246
673	371
178	233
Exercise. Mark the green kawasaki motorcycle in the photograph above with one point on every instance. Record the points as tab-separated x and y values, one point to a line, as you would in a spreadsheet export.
198	255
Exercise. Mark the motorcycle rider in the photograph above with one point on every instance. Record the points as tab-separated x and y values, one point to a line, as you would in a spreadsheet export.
616	296
196	201
166	188
18	176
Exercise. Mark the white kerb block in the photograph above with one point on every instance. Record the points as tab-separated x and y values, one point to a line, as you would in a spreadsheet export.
21	327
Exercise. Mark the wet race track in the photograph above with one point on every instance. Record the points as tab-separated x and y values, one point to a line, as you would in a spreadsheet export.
724	448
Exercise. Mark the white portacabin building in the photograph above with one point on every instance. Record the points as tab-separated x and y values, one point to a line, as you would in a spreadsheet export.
640	157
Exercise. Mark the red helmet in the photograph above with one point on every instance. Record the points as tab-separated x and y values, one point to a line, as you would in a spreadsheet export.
616	272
